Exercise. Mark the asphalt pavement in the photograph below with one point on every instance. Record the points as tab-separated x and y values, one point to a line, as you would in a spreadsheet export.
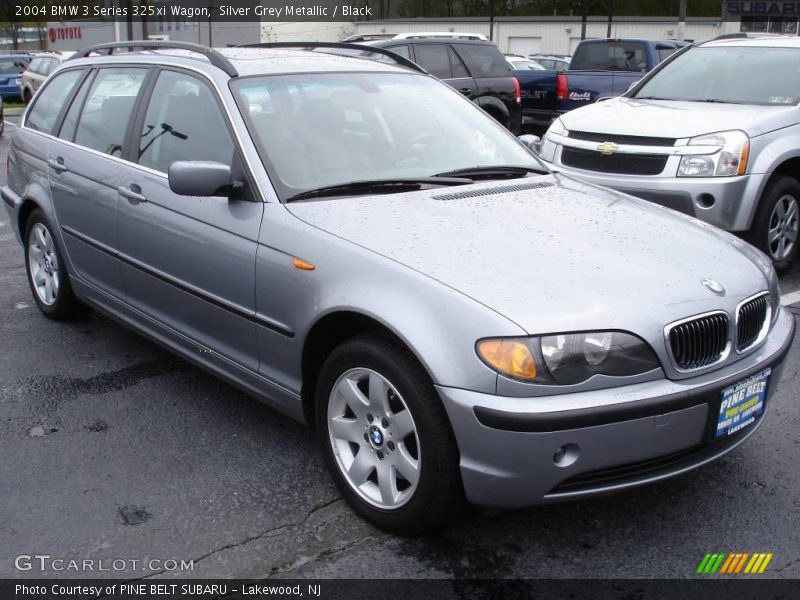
112	449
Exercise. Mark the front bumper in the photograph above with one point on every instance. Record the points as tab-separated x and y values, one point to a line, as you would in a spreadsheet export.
726	202
618	438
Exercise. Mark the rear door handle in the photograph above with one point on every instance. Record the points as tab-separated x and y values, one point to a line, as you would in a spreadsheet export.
466	91
132	193
57	164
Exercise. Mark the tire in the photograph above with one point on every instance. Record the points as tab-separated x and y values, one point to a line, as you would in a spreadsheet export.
777	219
397	421
47	274
27	95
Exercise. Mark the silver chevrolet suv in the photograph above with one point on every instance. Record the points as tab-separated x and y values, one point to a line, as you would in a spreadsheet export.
713	132
360	246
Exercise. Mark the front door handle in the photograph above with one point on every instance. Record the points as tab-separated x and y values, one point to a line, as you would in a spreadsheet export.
57	164
134	192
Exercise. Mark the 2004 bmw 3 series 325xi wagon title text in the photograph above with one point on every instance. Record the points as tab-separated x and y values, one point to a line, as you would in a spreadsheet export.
356	244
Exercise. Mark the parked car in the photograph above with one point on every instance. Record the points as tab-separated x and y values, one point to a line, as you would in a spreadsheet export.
39	68
599	69
520	63
474	67
11	68
2	121
552	62
700	138
365	250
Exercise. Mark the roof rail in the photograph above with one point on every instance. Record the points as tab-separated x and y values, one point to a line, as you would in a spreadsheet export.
214	56
401	60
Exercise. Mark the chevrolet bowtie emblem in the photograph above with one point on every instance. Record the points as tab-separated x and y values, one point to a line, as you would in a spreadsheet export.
608	148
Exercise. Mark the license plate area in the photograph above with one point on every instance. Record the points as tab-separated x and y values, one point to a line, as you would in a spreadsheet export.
741	403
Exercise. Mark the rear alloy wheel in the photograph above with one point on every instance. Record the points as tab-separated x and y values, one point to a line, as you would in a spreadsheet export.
47	276
385	436
776	227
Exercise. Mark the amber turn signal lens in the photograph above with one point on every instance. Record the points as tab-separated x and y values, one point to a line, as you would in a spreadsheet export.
509	357
743	158
302	265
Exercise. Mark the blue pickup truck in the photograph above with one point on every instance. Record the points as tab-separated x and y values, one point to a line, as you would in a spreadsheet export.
599	69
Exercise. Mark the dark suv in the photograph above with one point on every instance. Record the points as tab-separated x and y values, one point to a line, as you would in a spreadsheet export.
476	68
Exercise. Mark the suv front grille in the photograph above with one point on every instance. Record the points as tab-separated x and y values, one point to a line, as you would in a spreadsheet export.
699	342
750	322
633	140
628	164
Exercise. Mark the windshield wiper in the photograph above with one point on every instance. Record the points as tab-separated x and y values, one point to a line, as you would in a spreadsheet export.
492	172
377	186
652	98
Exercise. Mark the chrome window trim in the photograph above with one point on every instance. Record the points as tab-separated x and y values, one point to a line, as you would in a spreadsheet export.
725	352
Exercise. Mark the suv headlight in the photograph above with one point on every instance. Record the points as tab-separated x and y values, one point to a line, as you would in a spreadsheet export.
730	159
547	150
568	358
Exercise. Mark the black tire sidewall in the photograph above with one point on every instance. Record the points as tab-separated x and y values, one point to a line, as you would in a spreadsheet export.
439	484
776	188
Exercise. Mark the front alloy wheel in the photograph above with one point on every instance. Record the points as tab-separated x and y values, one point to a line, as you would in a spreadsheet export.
385	436
374	439
776	225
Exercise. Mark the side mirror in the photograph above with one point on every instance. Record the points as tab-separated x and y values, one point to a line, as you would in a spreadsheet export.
201	178
533	142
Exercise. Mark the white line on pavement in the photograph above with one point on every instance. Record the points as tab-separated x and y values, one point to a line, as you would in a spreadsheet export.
790	298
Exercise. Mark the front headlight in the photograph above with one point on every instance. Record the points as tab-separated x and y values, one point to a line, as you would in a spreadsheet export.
728	160
568	358
548	148
18	81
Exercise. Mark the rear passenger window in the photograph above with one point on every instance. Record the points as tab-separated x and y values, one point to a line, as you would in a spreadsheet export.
483	60
43	115
183	122
435	59
107	109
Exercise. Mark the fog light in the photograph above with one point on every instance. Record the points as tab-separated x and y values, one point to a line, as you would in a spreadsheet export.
566	455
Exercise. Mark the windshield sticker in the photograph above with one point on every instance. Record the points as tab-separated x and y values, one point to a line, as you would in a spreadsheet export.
483	145
783	100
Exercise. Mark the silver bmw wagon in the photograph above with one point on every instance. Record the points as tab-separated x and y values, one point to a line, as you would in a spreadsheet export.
356	244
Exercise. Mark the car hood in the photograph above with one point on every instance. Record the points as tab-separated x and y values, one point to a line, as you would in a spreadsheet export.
663	118
567	256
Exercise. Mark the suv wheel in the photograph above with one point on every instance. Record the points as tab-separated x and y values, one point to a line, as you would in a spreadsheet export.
47	275
26	95
385	436
776	226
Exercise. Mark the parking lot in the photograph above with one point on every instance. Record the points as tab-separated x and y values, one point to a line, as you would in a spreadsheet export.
111	448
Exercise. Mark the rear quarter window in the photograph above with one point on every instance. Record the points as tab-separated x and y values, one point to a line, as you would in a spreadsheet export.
44	113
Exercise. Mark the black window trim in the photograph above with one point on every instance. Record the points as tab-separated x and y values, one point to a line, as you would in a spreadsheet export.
63	110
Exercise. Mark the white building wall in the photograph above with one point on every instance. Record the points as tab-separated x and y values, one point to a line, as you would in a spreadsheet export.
305	31
556	37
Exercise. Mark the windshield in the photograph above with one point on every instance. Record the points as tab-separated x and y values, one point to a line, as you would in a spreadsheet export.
318	130
740	75
525	65
12	65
